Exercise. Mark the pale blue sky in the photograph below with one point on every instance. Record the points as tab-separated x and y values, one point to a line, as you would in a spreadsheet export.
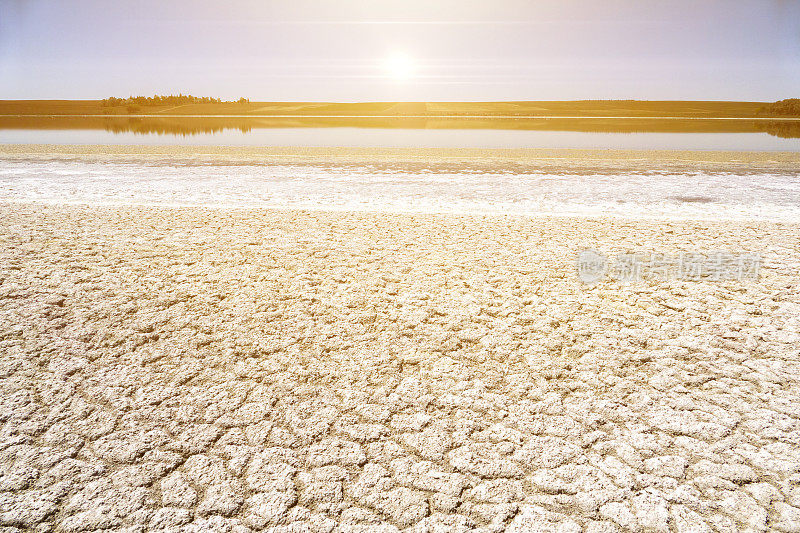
453	49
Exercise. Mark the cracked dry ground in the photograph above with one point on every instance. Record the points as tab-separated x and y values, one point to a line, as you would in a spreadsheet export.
188	370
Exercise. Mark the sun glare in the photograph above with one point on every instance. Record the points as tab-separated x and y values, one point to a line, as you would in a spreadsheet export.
399	66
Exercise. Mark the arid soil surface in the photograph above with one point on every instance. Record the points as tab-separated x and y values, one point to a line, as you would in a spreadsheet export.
233	370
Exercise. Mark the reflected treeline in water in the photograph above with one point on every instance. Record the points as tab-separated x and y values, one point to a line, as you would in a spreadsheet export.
136	125
188	126
181	128
781	128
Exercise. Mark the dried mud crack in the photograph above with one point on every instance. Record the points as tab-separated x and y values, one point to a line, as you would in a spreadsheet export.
232	370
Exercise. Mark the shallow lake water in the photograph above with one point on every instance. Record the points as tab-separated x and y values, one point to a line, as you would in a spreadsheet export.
415	138
635	133
635	190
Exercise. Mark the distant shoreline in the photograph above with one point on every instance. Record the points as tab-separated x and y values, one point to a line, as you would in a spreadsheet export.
599	109
456	117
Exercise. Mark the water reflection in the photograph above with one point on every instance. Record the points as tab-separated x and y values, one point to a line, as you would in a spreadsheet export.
407	132
188	126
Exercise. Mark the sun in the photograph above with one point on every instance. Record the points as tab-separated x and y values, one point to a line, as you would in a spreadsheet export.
399	66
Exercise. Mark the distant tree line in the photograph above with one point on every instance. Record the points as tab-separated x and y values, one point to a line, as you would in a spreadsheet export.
787	107
161	100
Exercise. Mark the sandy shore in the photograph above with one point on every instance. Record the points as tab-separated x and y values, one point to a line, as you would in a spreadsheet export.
233	370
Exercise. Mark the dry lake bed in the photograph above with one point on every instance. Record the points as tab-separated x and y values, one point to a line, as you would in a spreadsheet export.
198	369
